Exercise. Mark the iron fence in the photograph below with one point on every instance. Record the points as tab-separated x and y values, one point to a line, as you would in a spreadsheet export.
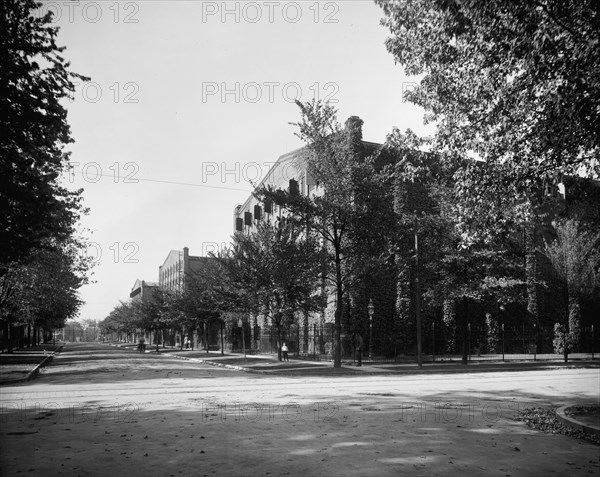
509	342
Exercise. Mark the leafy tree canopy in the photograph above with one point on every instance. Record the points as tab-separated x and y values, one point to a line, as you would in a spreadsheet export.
516	82
44	288
575	257
34	77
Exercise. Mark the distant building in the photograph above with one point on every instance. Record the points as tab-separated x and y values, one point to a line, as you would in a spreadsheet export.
142	290
177	267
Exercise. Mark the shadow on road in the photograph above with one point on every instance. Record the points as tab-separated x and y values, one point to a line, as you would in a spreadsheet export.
291	434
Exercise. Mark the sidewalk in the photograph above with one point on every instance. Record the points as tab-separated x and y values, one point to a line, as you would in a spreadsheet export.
252	363
268	364
24	364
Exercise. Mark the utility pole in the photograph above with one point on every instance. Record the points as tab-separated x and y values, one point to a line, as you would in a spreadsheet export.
417	295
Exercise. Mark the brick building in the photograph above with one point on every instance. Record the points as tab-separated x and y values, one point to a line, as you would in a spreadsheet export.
177	267
142	290
311	333
392	290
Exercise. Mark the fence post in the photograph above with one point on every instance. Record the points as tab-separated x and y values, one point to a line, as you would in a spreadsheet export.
433	330
222	351
315	340
535	343
503	340
469	340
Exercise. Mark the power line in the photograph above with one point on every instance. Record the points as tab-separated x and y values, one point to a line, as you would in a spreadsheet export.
129	180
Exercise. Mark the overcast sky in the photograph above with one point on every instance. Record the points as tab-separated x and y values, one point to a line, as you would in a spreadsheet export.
190	100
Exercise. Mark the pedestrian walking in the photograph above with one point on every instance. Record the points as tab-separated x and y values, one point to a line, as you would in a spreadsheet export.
142	345
284	350
358	346
187	342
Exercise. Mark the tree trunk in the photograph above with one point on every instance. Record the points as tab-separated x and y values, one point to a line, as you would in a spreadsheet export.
566	328
305	333
450	325
8	335
279	357
222	350
574	323
465	332
337	328
417	295
206	335
403	305
531	271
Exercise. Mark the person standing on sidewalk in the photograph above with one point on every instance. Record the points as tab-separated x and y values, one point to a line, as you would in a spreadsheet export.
284	350
358	345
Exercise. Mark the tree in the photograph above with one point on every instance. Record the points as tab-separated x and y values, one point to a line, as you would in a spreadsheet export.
42	291
463	256
336	160
199	303
280	266
575	259
517	83
34	78
493	333
121	320
152	312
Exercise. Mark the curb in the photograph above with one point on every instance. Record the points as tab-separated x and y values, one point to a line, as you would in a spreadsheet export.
219	365
200	360
447	368
371	372
571	422
273	372
35	371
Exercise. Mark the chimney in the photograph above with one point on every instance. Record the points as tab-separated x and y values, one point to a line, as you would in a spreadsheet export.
186	260
354	126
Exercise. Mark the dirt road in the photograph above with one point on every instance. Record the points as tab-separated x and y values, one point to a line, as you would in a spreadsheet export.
99	410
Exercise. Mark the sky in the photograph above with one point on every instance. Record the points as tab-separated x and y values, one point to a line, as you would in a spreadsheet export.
189	102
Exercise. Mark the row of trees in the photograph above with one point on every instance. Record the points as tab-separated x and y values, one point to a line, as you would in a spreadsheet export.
272	271
41	264
166	311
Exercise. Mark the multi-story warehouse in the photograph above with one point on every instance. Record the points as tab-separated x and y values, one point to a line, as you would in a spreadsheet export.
177	267
311	333
290	173
392	291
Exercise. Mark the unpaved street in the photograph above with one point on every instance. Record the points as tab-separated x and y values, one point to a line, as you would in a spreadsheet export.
100	410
